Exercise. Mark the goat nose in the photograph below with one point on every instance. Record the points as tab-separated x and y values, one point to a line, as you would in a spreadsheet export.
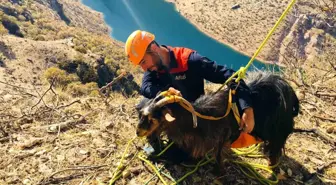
137	132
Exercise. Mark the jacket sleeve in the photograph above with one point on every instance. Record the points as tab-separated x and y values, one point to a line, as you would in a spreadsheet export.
219	74
149	87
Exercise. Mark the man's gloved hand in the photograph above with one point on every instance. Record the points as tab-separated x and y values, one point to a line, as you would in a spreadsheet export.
173	91
247	121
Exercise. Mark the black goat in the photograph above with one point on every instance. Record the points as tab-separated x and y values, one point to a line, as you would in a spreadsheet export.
275	105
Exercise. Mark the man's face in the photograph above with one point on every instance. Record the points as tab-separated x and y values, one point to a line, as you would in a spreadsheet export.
151	60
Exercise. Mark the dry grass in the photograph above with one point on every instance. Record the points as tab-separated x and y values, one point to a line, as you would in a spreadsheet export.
39	150
94	131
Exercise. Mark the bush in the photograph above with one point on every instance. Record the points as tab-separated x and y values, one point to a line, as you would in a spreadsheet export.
86	73
2	60
11	24
112	65
62	79
21	18
3	30
68	66
77	89
63	34
80	49
40	38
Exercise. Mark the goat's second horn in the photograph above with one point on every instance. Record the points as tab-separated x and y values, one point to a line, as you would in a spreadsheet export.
162	102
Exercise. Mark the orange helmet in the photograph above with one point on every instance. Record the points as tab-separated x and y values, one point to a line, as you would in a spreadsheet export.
136	45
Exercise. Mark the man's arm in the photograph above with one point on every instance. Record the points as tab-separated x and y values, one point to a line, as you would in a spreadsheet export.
149	87
219	74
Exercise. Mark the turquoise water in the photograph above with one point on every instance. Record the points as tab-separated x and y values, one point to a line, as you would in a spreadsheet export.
169	27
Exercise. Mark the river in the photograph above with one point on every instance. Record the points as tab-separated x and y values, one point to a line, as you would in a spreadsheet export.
169	27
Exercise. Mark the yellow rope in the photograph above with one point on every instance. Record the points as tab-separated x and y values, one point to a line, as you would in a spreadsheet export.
249	169
199	164
246	151
116	174
242	71
185	104
253	174
153	167
164	150
202	162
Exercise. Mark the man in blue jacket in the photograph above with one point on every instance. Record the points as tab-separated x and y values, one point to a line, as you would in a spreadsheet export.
183	71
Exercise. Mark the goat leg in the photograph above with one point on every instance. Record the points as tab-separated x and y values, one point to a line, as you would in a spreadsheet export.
222	146
273	153
218	155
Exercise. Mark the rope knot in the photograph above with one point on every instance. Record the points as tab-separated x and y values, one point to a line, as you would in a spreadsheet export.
241	73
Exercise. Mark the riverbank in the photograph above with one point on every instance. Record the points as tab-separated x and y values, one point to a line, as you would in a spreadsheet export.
242	28
187	13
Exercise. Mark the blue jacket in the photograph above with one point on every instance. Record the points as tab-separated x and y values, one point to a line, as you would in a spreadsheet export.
187	72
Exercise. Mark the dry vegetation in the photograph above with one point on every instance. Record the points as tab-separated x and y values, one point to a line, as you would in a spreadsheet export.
56	127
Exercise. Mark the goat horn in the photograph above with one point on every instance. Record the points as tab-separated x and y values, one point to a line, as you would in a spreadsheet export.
164	101
158	97
191	109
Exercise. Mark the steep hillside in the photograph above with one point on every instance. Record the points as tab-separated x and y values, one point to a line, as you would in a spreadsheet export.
59	124
54	56
52	37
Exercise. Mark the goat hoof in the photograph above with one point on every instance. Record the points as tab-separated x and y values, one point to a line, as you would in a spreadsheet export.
273	161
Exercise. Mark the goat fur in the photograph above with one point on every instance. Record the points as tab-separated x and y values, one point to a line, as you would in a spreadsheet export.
274	102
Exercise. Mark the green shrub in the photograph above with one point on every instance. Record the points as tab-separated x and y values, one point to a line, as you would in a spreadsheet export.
11	24
21	18
3	30
77	89
9	18
63	34
68	66
86	73
60	76
80	49
40	38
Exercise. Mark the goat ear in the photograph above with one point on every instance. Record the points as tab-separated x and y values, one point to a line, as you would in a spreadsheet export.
168	115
